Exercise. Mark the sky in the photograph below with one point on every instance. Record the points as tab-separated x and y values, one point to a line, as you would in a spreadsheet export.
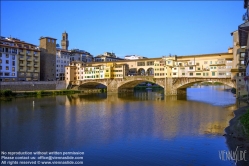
145	28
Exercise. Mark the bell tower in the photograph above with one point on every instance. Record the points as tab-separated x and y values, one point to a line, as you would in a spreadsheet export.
64	41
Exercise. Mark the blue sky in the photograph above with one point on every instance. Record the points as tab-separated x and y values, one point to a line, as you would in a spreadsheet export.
145	28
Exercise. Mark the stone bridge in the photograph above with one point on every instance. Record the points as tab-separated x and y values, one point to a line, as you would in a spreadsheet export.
172	86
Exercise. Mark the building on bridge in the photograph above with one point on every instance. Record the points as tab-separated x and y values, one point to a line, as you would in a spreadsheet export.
167	71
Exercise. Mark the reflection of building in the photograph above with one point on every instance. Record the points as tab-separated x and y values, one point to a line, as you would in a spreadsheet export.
133	57
19	61
107	57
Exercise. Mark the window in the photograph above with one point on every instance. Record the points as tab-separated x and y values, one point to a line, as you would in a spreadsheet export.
213	73
7	61
140	63
242	62
191	68
150	63
13	57
198	74
0	60
242	55
7	55
13	69
0	67
13	63
7	67
6	74
183	74
191	74
205	62
13	74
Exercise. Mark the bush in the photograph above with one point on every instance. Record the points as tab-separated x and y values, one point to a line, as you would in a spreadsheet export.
244	119
233	90
6	92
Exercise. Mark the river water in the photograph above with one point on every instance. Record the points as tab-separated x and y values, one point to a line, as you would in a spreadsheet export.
141	128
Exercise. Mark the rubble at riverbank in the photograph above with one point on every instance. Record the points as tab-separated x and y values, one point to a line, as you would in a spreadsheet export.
237	138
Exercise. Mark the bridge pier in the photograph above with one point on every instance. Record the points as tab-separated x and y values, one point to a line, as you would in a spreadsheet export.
168	87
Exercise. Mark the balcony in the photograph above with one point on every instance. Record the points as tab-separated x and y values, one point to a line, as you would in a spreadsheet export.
21	58
28	53
29	59
36	66
21	64
29	70
22	70
29	64
36	55
36	70
36	60
21	53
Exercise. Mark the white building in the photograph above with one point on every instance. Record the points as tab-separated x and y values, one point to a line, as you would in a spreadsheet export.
62	60
133	57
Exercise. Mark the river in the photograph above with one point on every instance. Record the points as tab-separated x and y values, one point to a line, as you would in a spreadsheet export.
141	128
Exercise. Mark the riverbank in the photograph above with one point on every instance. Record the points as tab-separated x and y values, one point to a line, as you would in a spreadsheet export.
237	138
7	95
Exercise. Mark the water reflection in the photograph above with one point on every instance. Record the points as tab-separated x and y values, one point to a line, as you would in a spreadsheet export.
102	124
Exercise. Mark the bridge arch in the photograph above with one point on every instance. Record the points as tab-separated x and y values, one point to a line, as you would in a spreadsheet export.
180	85
129	85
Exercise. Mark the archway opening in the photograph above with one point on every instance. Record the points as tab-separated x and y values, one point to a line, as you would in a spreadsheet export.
202	84
141	72
132	72
150	72
92	87
139	85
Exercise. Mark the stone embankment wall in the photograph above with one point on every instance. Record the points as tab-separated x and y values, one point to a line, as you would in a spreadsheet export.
33	85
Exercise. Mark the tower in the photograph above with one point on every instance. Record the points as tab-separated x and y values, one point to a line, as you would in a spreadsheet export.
64	41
